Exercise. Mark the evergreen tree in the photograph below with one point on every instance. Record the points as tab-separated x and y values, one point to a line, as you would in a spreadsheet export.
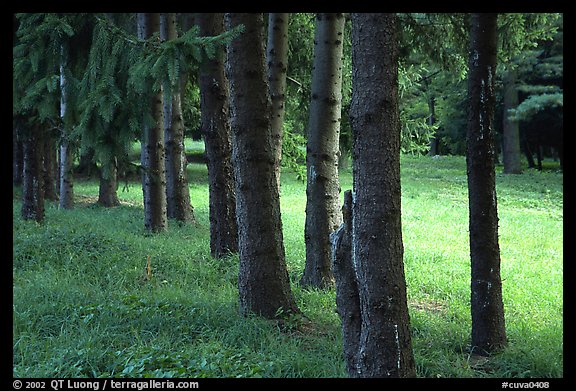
322	186
377	332
263	282
488	326
177	194
215	126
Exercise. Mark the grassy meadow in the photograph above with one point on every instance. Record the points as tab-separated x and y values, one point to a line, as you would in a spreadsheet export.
82	306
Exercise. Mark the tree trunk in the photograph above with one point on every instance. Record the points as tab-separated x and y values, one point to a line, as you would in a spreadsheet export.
263	282
277	60
17	153
431	121
511	138
385	346
50	167
33	178
177	193
488	329
66	156
216	132
323	214
347	296
154	180
107	192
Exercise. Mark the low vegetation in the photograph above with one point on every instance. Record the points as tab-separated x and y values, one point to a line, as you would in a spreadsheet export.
85	304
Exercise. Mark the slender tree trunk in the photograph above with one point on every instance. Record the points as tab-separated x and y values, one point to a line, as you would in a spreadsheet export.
511	138
431	121
385	345
177	193
488	329
263	282
216	133
66	155
323	214
50	167
107	192
277	59
154	179
33	178
17	154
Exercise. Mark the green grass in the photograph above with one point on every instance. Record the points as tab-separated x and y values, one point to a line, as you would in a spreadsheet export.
83	308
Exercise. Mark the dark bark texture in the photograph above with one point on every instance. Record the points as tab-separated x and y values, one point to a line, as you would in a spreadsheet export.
215	126
263	282
323	214
177	193
385	345
277	58
66	156
33	178
488	328
154	180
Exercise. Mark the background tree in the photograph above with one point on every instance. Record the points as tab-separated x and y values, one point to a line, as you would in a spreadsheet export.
488	326
177	194
277	60
216	132
384	348
264	285
323	214
153	163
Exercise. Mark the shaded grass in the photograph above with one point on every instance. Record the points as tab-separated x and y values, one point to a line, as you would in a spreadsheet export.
83	307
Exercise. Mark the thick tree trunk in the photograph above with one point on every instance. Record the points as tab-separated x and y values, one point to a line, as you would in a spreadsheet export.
66	156
177	193
323	214
216	133
511	138
263	281
154	180
488	329
277	59
32	179
107	192
385	346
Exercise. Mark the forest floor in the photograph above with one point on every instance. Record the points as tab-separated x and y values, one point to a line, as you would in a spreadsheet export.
83	305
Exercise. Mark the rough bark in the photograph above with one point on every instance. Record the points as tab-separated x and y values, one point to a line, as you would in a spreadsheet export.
215	127
385	347
347	297
511	130
263	281
277	58
177	193
323	214
32	178
154	180
488	328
